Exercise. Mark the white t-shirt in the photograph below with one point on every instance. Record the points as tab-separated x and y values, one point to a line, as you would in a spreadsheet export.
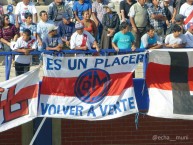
21	9
189	39
42	28
24	59
185	10
76	40
170	39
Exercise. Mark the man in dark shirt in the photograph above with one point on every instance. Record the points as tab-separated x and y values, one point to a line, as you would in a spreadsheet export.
124	9
65	29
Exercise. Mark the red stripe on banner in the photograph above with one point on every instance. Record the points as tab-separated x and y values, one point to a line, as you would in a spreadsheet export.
158	76
28	92
65	86
119	82
190	78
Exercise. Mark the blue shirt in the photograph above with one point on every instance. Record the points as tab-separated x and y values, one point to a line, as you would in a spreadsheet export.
32	27
79	8
123	41
146	40
42	28
52	41
66	30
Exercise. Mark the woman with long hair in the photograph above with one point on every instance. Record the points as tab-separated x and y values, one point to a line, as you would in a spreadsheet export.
89	25
8	32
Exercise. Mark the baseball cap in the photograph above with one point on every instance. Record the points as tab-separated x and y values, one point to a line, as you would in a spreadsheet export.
79	26
190	25
52	28
9	8
179	17
110	6
66	16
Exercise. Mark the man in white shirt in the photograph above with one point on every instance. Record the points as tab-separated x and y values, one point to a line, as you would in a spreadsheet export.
176	39
82	40
187	10
22	8
42	28
25	44
189	35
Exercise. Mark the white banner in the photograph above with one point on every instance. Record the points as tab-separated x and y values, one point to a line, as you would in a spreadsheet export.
88	88
170	83
18	100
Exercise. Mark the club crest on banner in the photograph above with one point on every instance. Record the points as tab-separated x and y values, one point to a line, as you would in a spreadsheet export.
88	88
87	85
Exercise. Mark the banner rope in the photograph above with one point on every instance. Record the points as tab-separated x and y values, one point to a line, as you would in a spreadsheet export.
137	119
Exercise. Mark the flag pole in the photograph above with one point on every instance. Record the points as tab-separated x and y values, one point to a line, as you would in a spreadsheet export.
37	131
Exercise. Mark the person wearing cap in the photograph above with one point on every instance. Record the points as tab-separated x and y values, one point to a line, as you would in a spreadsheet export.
179	20
176	39
65	29
187	10
80	6
25	6
53	40
111	24
11	15
124	40
42	28
139	20
189	35
89	25
56	10
82	40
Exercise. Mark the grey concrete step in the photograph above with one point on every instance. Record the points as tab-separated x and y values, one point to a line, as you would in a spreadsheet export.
12	72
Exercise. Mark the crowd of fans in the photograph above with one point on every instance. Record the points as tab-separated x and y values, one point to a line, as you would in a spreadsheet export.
139	25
